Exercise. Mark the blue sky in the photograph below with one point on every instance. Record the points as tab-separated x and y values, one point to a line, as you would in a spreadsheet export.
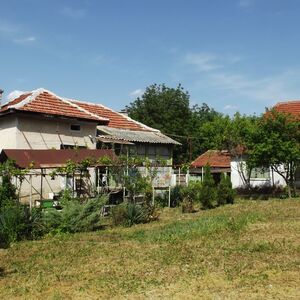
233	55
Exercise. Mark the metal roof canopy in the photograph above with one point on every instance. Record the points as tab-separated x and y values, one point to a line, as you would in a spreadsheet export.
153	137
39	159
108	140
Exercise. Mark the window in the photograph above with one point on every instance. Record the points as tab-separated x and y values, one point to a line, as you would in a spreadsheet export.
151	151
260	173
141	150
75	127
132	150
163	151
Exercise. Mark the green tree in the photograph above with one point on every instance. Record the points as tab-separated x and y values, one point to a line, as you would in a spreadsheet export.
225	191
276	144
205	127
166	109
208	191
238	140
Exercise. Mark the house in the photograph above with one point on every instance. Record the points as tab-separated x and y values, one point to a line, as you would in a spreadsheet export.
42	120
236	163
219	162
233	166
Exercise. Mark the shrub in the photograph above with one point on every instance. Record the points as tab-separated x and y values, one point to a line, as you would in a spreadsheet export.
262	192
187	206
7	192
224	191
75	216
161	200
190	194
128	214
176	195
17	223
208	192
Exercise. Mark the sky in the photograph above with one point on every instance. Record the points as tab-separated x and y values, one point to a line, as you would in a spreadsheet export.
234	55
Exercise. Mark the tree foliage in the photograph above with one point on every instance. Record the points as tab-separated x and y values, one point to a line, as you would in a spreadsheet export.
168	109
276	144
208	191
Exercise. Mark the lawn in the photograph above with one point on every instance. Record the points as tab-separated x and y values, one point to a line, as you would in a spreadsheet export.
249	250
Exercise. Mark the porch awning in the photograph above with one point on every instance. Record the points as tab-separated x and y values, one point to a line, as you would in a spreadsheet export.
39	159
108	140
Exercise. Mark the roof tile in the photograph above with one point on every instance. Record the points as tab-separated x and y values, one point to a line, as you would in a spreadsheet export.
214	158
290	107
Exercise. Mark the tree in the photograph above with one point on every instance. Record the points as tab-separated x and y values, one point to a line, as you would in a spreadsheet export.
225	191
208	191
205	126
238	140
166	109
276	144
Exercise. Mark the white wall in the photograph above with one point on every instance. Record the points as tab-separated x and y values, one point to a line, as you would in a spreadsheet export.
237	181
48	133
8	132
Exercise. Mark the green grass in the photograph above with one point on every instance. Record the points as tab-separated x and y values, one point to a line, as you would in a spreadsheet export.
249	250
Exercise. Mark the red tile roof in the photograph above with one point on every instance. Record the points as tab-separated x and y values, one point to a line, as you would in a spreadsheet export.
214	158
290	107
43	101
46	102
116	120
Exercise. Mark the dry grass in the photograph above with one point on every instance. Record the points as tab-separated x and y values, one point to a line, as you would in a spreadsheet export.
250	250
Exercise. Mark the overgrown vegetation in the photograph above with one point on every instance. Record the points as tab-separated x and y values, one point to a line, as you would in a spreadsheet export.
75	216
128	214
225	192
242	251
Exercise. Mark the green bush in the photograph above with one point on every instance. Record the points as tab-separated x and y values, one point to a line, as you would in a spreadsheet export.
162	200
187	206
208	191
75	216
17	223
225	191
176	195
190	194
128	214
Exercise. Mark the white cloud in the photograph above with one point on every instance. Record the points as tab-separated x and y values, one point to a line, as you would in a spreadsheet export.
230	107
136	93
202	61
73	13
13	95
245	3
15	33
268	89
25	40
7	29
221	77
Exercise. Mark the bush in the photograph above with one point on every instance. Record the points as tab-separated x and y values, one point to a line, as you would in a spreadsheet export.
17	223
262	192
187	206
225	192
161	200
128	214
208	192
75	216
190	194
176	195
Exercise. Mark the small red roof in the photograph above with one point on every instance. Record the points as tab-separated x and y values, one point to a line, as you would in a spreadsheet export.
290	107
213	158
